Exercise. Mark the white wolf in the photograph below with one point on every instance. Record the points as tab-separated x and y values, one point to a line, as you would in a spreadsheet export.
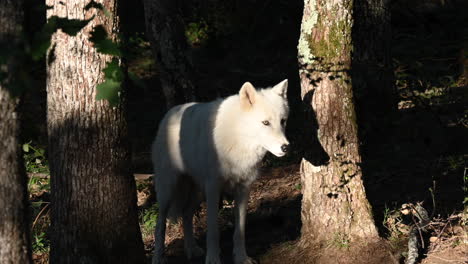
204	149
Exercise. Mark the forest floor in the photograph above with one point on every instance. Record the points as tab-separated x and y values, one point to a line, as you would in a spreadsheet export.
273	217
424	158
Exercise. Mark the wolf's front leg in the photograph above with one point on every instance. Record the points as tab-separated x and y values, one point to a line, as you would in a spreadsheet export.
240	211
212	239
192	250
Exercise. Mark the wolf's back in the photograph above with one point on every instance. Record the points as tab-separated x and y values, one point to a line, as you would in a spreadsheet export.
184	143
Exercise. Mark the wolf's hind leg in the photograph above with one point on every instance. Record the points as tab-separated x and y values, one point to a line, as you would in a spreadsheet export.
192	250
160	235
164	191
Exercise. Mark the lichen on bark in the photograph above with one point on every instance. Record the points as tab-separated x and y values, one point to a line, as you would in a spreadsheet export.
323	39
333	195
309	19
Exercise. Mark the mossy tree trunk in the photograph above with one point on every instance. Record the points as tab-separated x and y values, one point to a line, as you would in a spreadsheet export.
14	227
166	32
334	206
94	212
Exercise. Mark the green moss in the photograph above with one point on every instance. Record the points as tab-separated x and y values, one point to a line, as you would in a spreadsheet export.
340	240
326	44
330	45
335	44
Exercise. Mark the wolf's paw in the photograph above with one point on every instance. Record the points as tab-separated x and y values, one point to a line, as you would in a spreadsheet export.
194	252
159	260
212	260
247	260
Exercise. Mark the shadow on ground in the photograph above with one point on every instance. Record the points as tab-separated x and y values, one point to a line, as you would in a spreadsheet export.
424	155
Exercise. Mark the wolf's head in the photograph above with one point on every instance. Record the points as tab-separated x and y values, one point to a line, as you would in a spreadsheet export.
267	113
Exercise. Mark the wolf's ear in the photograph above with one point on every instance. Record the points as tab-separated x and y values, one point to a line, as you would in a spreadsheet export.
281	88
247	95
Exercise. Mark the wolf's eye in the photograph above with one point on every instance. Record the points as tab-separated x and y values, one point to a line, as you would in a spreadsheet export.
283	121
266	122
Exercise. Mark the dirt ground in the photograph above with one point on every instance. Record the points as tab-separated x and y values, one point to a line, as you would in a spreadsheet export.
273	218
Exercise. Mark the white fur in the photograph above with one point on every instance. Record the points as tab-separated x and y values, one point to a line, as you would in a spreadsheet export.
203	149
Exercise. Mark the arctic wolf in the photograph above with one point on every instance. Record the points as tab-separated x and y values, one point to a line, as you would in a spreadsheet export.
205	149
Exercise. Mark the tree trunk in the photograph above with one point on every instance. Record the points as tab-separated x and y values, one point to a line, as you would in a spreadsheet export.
94	213
334	205
371	69
14	227
166	32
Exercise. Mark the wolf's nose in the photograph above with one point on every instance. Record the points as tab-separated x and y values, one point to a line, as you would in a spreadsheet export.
285	148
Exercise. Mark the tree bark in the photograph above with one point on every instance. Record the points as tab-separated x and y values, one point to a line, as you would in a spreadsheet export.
94	213
165	30
371	69
334	205
14	227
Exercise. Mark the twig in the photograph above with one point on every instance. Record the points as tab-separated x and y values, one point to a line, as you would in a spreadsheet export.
38	175
440	234
448	260
442	231
419	230
421	214
39	215
432	190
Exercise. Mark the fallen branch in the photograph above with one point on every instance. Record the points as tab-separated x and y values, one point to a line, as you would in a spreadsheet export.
39	215
421	220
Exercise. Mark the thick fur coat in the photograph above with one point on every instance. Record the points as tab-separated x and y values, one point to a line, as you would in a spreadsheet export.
204	149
